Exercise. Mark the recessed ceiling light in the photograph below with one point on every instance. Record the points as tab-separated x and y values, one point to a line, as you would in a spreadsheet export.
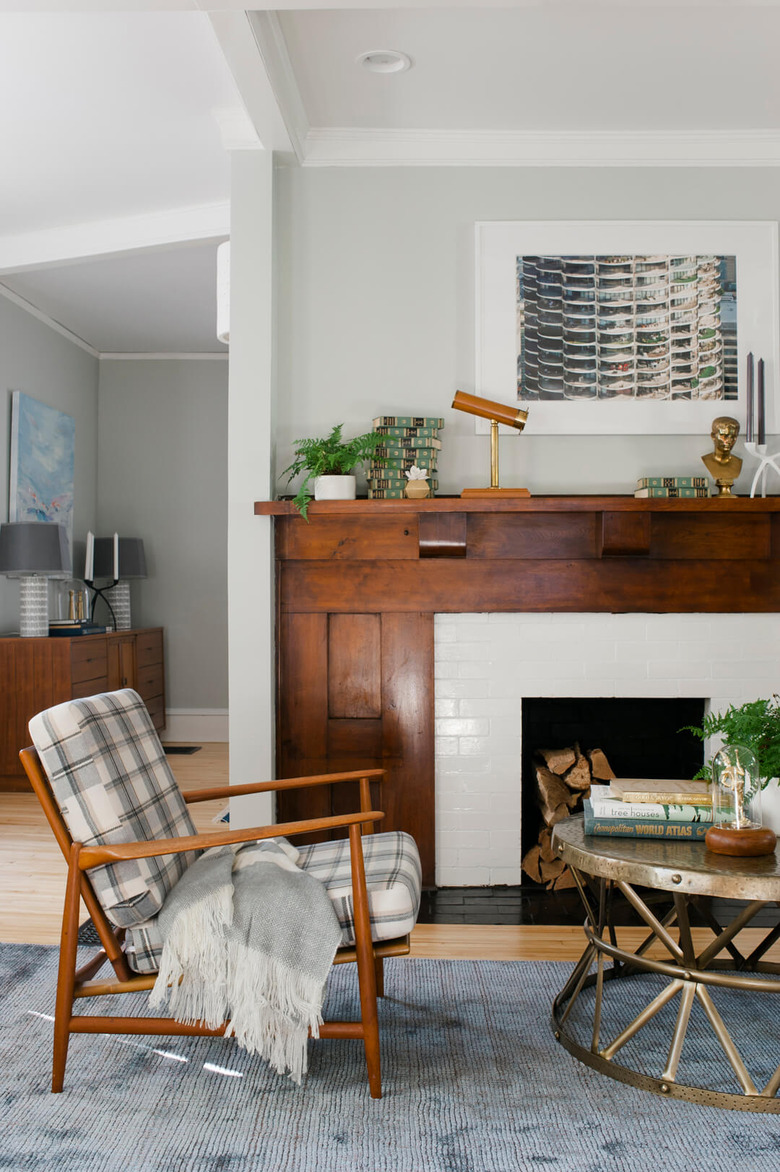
385	61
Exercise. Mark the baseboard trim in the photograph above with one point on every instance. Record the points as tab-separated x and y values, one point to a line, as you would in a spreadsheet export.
195	725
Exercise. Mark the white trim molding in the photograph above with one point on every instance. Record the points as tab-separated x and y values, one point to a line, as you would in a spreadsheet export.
59	246
349	147
193	725
188	356
28	307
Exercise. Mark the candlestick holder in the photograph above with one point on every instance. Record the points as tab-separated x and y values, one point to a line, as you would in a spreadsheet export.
759	452
100	592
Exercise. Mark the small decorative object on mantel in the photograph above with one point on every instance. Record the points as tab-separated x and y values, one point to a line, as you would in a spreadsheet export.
757	447
672	486
723	467
736	805
330	463
417	487
496	413
407	441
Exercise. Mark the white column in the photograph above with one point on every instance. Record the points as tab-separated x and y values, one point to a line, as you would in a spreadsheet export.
250	462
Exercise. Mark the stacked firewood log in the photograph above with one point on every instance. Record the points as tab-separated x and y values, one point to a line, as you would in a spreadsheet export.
563	779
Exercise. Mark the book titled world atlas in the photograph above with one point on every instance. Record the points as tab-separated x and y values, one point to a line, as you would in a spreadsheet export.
642	827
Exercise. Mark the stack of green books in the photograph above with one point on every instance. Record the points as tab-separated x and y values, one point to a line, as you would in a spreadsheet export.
640	808
673	486
410	440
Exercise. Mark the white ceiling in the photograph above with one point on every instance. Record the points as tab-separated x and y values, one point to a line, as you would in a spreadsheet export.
115	175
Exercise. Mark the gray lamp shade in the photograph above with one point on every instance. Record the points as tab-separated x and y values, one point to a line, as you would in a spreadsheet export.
34	547
132	560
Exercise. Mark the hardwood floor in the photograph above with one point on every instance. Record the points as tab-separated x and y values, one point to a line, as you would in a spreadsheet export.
32	883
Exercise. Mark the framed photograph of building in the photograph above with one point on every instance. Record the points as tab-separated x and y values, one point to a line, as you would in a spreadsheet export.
626	327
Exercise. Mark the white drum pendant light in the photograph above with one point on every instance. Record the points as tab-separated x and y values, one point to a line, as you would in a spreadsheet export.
223	292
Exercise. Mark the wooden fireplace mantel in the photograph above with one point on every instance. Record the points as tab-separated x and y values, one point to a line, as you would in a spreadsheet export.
358	586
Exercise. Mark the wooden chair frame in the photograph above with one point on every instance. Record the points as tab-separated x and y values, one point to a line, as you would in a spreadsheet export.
74	984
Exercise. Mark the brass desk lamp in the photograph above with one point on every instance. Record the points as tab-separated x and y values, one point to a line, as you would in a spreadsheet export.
496	413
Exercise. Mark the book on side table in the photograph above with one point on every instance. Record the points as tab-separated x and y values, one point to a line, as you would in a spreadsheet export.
649	808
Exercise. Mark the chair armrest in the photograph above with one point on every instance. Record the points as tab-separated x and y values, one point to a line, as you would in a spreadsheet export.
261	787
94	856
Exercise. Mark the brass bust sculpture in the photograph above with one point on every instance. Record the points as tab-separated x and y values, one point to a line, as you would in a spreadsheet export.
721	465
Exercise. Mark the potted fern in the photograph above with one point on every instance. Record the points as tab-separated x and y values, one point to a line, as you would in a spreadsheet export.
329	462
757	725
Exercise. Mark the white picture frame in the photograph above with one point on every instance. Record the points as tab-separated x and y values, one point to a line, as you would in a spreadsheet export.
754	244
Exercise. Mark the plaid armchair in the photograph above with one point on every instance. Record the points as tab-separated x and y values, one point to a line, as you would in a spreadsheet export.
121	820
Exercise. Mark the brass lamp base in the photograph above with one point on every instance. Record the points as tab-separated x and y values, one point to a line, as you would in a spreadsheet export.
485	492
753	840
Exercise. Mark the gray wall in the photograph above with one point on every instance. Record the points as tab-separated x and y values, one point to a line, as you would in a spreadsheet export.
47	366
162	476
376	303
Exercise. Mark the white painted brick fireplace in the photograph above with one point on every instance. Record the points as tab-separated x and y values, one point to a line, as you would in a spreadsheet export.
486	663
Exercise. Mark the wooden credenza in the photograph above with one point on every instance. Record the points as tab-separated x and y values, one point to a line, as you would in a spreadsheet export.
358	588
37	673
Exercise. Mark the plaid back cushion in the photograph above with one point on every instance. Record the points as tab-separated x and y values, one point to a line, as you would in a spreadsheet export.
110	778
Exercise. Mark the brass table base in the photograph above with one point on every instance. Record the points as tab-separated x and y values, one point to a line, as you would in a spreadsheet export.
691	978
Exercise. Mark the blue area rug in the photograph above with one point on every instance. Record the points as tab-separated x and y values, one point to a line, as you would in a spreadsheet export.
473	1082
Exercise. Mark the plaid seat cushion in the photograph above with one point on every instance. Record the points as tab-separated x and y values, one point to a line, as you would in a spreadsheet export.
393	878
111	780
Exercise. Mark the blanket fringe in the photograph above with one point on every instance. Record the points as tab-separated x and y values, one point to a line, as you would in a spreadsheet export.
193	975
273	1009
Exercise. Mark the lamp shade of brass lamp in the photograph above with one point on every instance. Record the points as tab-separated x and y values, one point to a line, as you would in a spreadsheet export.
736	805
496	413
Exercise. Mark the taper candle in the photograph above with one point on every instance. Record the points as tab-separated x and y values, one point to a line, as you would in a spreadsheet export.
89	563
749	399
116	557
761	404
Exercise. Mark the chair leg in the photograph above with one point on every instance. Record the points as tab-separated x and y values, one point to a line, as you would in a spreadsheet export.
365	965
379	970
66	976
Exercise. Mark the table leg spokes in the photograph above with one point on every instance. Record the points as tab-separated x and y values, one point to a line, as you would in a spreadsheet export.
659	931
646	1015
680	1029
726	1042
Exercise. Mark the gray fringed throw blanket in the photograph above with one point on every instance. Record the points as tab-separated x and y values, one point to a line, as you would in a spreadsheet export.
249	939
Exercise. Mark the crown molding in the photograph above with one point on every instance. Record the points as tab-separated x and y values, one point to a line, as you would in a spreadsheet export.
28	307
348	147
58	246
189	356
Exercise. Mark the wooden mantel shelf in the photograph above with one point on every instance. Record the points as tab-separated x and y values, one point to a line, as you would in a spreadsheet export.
358	588
533	504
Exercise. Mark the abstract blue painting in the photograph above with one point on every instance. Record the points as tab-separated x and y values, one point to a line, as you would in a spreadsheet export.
43	447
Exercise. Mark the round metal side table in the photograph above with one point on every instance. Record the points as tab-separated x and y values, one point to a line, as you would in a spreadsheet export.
606	869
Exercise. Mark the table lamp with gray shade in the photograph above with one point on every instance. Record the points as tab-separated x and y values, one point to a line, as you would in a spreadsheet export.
132	564
34	551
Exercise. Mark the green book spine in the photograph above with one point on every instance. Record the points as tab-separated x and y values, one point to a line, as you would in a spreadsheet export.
643	827
672	482
408	432
672	493
404	460
388	494
409	443
408	421
383	472
376	482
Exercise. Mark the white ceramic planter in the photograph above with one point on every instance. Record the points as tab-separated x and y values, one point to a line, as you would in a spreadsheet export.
334	488
770	805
